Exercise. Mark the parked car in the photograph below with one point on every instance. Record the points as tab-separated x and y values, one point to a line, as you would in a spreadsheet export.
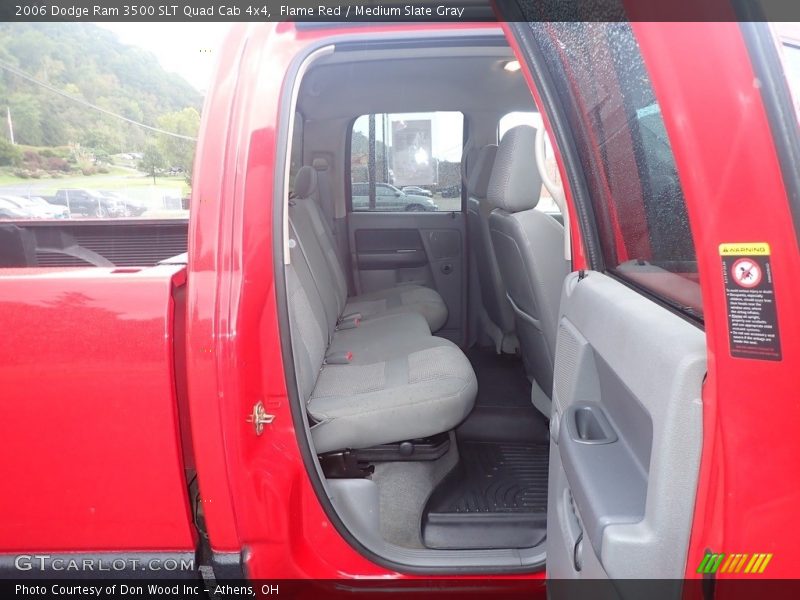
451	191
390	198
130	207
417	191
89	203
39	207
10	210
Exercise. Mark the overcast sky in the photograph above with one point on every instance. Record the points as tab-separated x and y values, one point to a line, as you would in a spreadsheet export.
188	49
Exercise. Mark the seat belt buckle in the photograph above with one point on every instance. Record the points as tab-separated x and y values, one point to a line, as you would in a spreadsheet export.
339	358
349	322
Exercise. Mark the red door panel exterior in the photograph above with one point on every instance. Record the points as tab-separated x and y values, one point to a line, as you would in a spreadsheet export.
734	192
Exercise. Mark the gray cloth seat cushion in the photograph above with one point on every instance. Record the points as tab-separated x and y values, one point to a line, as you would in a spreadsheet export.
428	391
404	298
402	383
382	338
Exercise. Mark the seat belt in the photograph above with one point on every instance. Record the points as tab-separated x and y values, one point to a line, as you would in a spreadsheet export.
324	186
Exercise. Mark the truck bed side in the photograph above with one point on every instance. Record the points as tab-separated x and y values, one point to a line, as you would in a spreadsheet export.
93	459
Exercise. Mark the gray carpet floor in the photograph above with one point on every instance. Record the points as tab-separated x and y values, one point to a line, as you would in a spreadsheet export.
404	487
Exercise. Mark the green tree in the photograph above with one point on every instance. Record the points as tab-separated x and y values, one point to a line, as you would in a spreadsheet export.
102	138
9	153
152	161
26	115
89	63
101	157
179	152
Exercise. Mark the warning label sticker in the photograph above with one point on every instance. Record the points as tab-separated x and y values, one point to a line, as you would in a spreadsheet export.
750	296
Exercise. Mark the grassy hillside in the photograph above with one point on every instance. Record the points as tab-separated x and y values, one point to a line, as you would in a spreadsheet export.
86	61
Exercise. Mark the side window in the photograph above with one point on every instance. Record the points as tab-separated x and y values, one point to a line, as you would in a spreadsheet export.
406	162
626	155
534	119
296	156
791	66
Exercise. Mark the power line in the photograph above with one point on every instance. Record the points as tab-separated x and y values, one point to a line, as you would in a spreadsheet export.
19	73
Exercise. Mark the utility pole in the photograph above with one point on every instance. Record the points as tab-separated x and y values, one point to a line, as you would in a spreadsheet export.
385	148
371	162
10	125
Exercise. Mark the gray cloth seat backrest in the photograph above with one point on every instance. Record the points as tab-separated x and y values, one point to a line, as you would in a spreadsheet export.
316	244
493	293
321	166
467	162
529	245
336	229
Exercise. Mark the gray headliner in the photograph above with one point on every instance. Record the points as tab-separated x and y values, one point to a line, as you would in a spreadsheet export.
470	79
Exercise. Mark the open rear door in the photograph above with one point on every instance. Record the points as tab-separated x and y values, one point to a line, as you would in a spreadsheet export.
626	434
626	426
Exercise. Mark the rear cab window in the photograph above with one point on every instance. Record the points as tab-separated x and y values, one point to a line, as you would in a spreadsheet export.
406	162
624	149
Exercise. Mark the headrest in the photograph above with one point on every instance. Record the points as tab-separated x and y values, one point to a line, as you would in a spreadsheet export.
467	161
482	171
305	182
515	184
320	164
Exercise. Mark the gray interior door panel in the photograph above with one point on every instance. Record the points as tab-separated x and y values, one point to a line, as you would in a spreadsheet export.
389	249
626	434
428	249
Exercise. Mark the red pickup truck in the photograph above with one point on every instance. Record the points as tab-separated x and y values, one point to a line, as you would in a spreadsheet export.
583	366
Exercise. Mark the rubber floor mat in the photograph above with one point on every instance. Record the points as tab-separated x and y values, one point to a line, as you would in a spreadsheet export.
495	498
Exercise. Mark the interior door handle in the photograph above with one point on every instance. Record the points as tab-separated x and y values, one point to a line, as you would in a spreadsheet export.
392	259
588	424
577	553
608	485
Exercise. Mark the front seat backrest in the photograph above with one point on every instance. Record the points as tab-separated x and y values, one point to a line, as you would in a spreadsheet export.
529	245
498	319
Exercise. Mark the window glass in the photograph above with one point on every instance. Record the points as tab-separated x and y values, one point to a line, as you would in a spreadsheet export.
791	62
296	156
626	155
534	119
790	51
407	162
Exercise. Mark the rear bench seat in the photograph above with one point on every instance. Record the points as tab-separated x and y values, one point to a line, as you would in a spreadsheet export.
400	299
376	380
